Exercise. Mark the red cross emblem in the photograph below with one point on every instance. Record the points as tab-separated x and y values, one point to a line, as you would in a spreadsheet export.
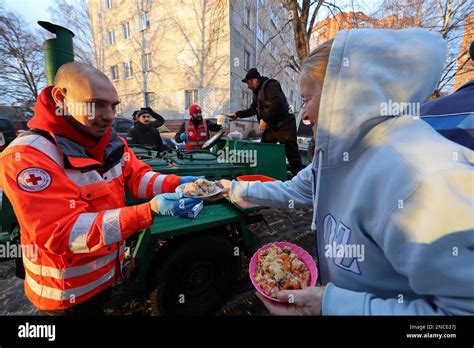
33	179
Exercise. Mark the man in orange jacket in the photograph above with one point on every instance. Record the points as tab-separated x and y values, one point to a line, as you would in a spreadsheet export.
66	180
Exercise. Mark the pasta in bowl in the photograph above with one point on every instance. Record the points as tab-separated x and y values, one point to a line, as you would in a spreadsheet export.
281	266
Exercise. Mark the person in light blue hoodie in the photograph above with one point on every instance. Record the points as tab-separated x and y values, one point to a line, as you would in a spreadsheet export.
392	199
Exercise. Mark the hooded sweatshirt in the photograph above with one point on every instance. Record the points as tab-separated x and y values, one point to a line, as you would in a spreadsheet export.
392	199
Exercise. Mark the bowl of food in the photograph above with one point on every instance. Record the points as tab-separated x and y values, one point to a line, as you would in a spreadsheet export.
201	188
281	266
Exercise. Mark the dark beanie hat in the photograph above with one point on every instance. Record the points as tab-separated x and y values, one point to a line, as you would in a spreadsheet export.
252	74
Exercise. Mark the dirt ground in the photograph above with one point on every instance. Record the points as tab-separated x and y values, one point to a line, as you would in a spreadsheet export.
130	299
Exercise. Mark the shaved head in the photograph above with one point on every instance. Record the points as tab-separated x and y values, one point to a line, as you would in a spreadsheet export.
76	72
88	97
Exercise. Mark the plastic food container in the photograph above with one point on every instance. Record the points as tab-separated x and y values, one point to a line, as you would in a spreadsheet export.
256	177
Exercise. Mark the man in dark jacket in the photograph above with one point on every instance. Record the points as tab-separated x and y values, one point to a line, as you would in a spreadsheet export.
145	131
272	110
157	123
195	131
452	115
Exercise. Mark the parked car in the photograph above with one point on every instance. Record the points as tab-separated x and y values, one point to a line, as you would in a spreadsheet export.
121	125
305	139
8	132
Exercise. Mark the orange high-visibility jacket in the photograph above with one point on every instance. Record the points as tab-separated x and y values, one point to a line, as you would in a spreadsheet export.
75	215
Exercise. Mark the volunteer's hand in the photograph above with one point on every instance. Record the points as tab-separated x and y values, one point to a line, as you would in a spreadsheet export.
187	179
233	116
171	204
262	126
225	186
182	136
298	302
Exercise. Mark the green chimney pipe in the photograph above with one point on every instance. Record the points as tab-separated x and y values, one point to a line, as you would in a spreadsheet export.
57	51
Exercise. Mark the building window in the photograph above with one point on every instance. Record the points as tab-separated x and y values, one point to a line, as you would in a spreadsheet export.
127	69
108	3
260	34
111	37
114	72
150	99
144	21
146	62
246	60
190	97
125	30
274	18
247	16
273	49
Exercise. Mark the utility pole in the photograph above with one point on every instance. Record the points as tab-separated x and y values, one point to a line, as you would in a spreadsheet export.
256	32
143	45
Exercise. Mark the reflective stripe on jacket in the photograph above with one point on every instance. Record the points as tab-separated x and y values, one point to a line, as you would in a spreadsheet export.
71	208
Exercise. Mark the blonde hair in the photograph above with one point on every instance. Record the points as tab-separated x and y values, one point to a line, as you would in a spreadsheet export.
316	63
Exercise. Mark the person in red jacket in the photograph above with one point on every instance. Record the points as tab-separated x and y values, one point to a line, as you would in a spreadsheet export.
195	131
66	180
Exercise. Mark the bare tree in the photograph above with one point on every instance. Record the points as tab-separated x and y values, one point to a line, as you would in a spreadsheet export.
285	57
74	15
139	37
201	59
448	17
303	16
21	60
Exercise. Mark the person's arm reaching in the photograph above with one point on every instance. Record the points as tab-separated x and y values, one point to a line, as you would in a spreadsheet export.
142	182
159	120
251	111
294	193
66	225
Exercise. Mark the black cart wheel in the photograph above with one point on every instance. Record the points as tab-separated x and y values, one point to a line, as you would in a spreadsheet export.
195	278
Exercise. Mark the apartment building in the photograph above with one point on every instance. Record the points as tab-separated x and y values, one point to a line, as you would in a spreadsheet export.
170	54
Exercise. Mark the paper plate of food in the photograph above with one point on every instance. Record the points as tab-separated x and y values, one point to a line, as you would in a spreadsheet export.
281	266
201	188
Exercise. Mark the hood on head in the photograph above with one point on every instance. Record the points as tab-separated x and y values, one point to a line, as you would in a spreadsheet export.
370	69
